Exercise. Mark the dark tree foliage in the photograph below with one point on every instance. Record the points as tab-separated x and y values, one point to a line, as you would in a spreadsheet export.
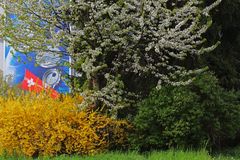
225	60
197	115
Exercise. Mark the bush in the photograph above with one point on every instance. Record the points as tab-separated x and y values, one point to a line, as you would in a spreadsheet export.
187	116
36	125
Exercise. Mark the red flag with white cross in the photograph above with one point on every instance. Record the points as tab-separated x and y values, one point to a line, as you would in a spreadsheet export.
32	83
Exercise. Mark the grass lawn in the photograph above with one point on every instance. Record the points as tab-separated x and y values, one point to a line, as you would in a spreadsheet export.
164	155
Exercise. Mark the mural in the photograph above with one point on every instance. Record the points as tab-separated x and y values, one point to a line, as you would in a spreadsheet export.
36	71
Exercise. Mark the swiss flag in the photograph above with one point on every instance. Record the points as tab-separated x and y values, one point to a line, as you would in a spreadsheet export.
32	83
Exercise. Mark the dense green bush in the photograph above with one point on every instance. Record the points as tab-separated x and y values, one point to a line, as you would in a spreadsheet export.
200	114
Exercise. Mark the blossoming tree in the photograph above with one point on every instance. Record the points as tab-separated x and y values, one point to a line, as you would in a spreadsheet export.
113	42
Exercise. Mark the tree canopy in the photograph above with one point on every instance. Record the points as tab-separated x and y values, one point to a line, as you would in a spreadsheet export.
113	43
224	61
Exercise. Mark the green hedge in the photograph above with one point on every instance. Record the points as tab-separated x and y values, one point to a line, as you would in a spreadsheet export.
196	115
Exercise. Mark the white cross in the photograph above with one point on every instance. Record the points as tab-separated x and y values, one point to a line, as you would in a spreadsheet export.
30	82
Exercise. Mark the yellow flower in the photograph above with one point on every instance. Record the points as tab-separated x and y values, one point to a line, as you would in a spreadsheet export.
38	125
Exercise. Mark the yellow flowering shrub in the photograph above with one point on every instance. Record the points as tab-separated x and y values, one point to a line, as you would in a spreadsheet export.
36	125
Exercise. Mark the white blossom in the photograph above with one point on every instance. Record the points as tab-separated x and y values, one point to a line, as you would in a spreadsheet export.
142	37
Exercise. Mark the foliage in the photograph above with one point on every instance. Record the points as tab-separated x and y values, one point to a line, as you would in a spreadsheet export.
35	125
112	42
7	90
224	60
187	116
232	153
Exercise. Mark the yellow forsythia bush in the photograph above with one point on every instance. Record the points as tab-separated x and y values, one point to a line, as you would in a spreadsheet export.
36	125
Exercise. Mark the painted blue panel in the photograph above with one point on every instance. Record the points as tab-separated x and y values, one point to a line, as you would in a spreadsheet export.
50	70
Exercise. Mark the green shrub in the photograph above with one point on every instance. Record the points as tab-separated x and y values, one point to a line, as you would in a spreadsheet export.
195	115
